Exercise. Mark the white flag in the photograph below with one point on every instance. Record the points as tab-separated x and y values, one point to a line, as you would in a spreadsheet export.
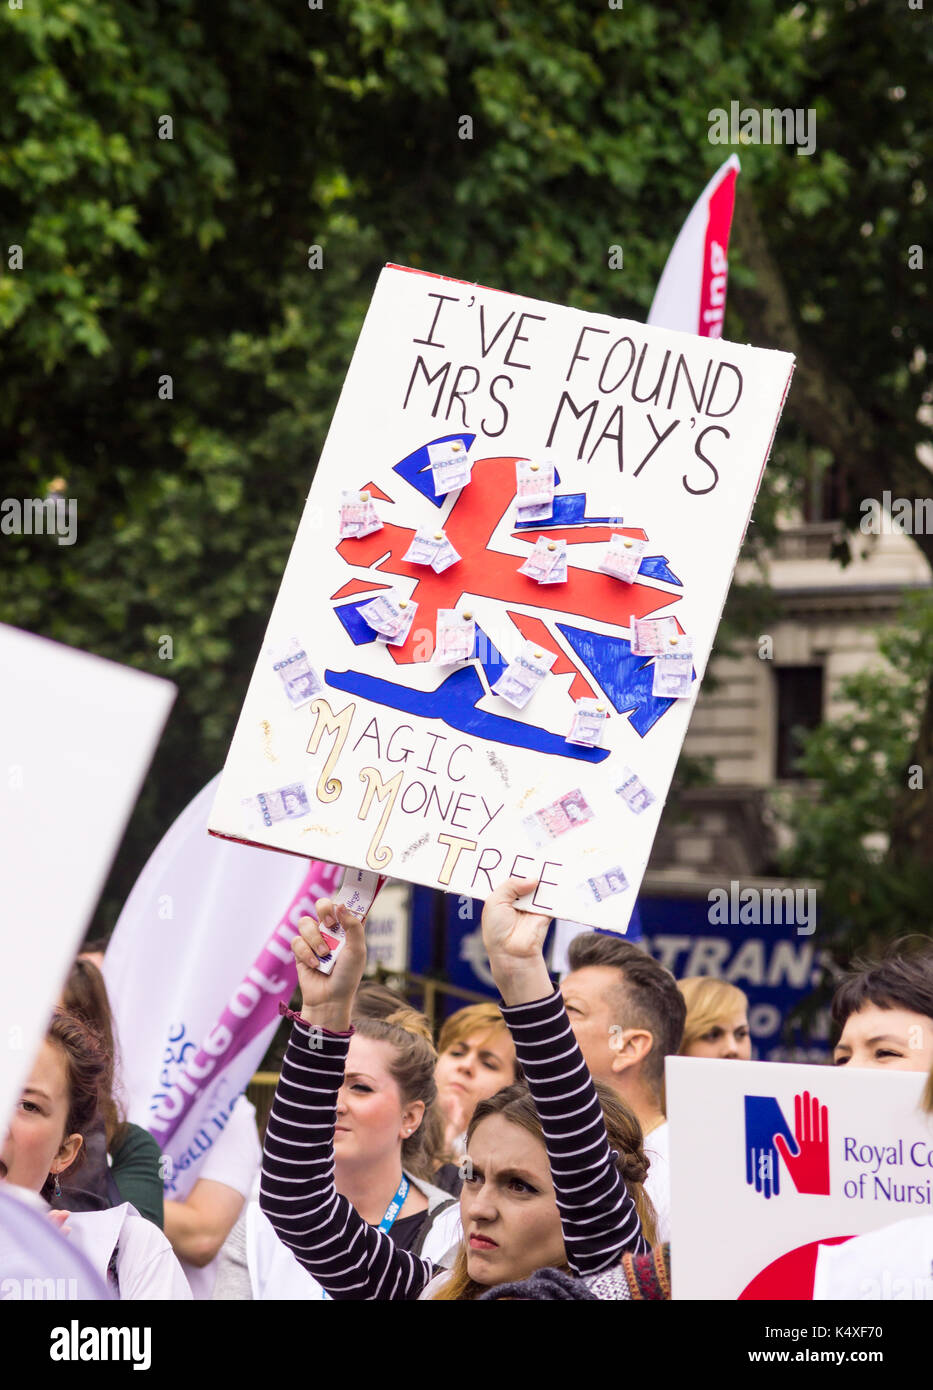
78	735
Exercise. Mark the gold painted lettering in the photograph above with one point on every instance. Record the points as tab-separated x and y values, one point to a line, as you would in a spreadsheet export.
378	855
329	788
454	847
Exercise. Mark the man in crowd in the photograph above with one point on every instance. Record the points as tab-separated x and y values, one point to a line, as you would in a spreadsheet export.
628	1015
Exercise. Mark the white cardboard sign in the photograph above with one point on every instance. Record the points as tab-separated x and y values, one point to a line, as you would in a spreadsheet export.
374	753
769	1159
78	736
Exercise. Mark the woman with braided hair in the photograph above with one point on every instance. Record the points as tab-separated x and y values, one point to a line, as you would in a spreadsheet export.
122	1161
542	1187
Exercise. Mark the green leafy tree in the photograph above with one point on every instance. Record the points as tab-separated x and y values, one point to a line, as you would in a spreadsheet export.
207	193
874	886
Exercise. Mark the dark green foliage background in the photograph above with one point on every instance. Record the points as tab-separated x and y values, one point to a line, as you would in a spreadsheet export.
339	127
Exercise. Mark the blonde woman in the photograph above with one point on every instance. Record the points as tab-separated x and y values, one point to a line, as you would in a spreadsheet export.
475	1059
717	1020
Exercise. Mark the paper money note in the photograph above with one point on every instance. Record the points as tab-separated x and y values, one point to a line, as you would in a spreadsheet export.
589	723
654	636
634	792
287	803
424	546
562	815
544	559
430	546
623	557
358	515
524	674
606	885
456	636
300	680
673	677
357	891
408	608
387	614
534	482
450	466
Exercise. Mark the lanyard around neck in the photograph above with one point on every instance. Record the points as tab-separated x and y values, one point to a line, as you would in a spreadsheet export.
395	1206
392	1211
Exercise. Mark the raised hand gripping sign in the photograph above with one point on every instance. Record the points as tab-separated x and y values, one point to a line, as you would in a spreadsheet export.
430	765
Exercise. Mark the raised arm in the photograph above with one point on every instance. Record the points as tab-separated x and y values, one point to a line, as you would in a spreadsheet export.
597	1213
348	1257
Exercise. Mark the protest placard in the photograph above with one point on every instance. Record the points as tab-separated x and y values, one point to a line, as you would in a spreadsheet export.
486	421
770	1160
79	736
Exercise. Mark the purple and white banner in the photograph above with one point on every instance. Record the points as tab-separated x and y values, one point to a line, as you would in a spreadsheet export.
195	969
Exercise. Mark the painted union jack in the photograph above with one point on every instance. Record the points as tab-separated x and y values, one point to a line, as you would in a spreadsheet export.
610	666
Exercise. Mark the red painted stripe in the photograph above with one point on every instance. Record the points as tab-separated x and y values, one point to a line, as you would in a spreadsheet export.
581	535
377	492
534	630
358	586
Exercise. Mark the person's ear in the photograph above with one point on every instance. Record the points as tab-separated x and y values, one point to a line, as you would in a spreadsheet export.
412	1116
630	1047
67	1153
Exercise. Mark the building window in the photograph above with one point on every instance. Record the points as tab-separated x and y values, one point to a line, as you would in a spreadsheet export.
799	706
825	494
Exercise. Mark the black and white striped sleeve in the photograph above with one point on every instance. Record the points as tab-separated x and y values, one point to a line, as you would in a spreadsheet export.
597	1213
350	1258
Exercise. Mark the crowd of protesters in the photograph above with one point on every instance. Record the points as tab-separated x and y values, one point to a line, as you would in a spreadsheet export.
525	1155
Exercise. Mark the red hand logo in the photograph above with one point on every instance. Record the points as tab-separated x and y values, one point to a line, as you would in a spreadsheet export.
809	1167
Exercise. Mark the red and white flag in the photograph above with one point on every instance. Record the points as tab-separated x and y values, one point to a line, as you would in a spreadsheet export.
691	294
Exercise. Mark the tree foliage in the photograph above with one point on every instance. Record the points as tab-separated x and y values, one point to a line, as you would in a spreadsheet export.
340	128
873	886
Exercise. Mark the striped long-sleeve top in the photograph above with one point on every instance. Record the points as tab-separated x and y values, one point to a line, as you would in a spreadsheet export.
354	1260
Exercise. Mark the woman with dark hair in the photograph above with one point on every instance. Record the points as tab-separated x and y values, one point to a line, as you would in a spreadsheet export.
893	1262
122	1161
58	1105
883	1009
556	1196
515	1107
